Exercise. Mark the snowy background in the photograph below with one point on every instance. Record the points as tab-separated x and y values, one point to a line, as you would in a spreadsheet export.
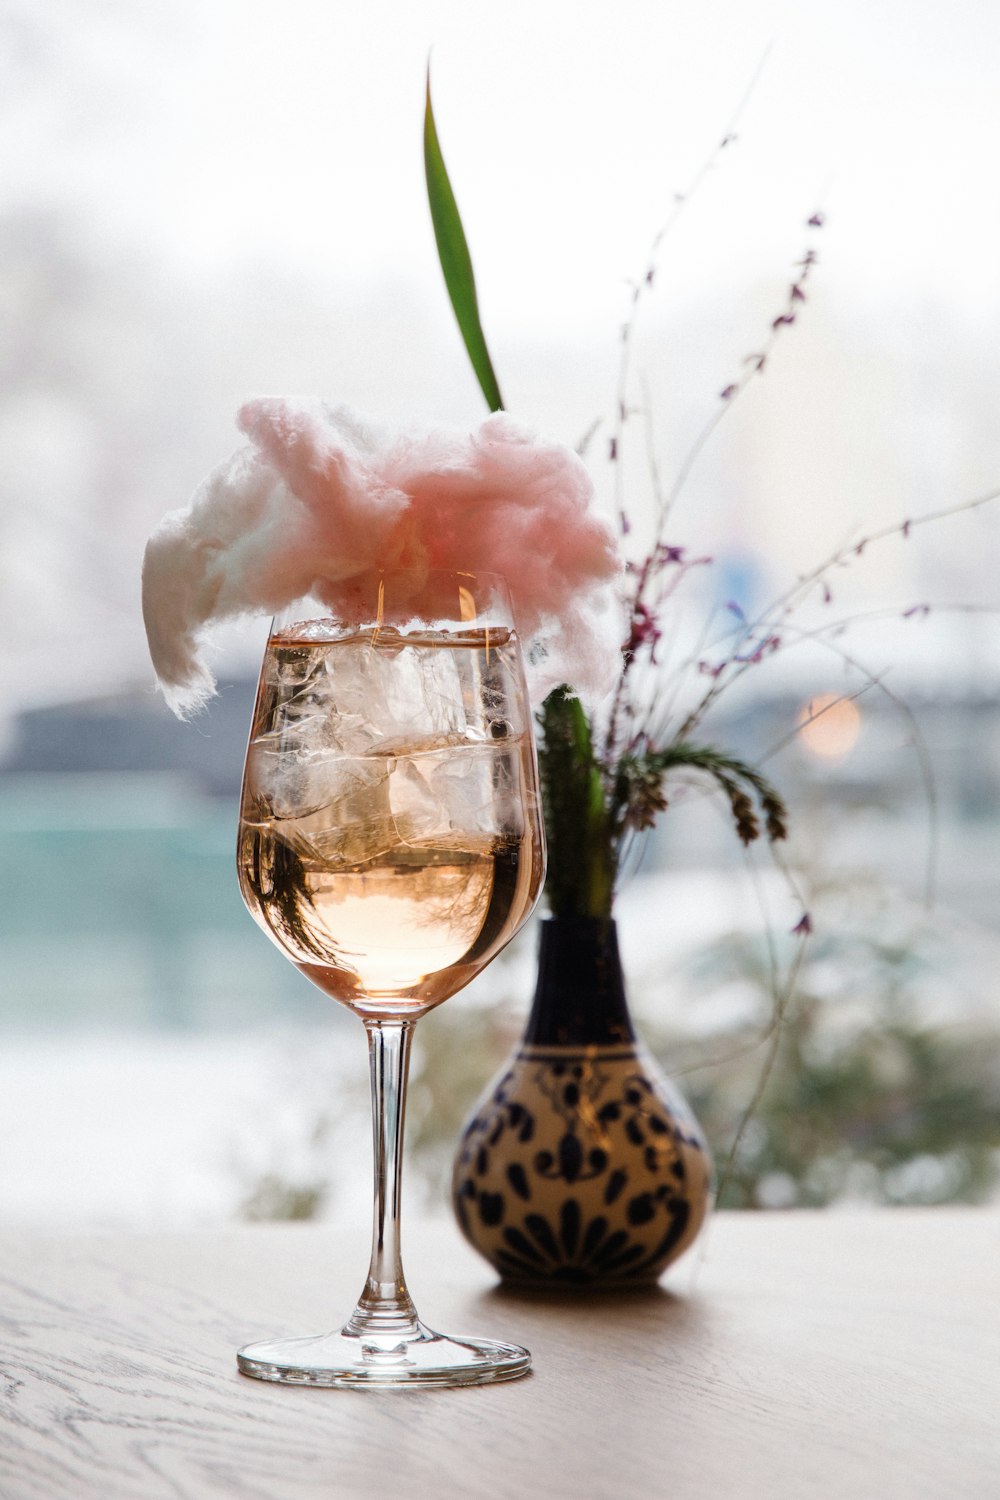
204	202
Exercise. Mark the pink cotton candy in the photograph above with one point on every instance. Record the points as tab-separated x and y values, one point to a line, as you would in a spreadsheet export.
320	501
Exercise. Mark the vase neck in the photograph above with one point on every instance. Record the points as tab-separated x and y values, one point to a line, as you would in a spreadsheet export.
580	996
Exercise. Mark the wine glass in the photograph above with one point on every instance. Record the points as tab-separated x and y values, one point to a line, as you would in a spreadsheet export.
391	844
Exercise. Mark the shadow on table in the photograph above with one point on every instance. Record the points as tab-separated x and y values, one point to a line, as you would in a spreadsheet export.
652	1306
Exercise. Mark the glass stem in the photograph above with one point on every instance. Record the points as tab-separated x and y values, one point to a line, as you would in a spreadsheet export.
385	1310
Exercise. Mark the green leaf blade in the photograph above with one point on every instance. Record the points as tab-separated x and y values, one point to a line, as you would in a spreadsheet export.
456	262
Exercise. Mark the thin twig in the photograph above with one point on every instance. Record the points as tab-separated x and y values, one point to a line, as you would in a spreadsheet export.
851	550
775	616
918	744
754	366
782	1001
645	282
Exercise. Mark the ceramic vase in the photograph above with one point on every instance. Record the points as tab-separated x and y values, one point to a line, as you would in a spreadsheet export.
581	1166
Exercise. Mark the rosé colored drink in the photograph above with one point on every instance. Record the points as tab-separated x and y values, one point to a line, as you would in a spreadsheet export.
390	865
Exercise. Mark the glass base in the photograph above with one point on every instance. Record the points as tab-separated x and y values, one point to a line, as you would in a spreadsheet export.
423	1358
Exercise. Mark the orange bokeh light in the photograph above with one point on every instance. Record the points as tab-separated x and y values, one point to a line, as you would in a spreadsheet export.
829	725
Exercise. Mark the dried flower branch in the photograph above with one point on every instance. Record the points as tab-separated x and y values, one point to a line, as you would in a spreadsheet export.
607	779
646	574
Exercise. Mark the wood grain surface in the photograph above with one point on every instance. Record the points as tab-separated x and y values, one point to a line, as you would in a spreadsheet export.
814	1356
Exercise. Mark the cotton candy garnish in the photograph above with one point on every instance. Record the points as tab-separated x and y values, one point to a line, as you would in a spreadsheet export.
320	501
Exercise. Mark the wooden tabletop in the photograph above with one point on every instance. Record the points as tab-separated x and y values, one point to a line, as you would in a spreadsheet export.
839	1356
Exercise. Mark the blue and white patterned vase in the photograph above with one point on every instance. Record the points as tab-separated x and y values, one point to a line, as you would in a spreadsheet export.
581	1166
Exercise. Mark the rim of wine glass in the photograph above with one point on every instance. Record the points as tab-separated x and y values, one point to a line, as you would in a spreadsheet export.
483	601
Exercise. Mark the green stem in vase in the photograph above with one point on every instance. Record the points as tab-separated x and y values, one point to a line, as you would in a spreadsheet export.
582	861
